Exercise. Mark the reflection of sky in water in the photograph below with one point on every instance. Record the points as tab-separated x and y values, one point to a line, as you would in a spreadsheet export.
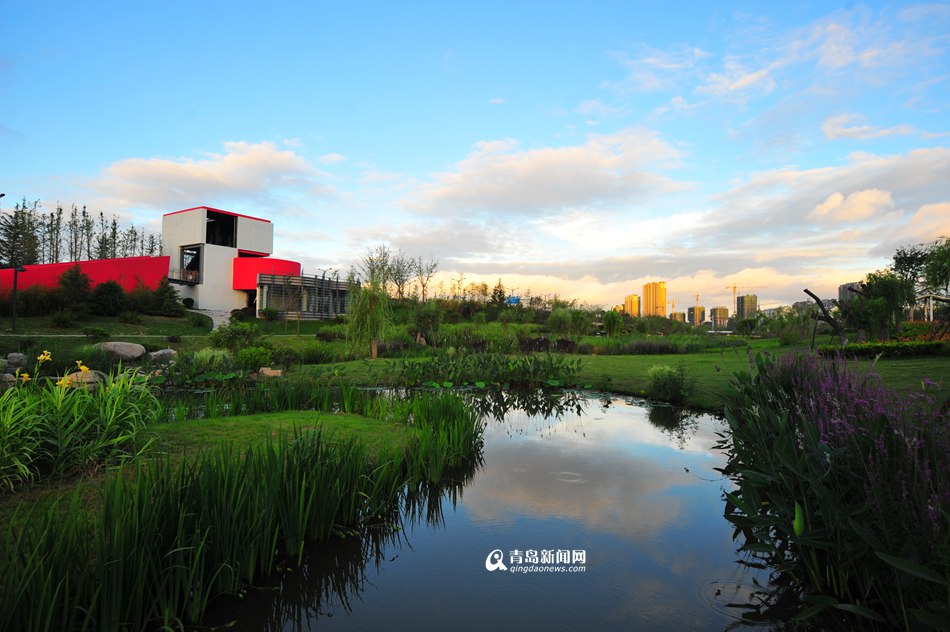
631	494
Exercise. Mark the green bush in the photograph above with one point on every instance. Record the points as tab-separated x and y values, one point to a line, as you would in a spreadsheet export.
108	299
200	321
235	336
63	319
212	360
270	314
130	317
667	384
253	358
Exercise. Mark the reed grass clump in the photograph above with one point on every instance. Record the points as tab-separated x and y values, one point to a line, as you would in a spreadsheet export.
844	487
481	369
170	537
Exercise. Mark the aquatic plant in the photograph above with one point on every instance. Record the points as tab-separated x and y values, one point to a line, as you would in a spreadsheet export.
844	486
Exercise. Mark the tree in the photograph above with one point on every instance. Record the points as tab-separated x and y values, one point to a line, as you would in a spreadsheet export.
613	323
74	286
108	299
368	316
424	271
879	306
937	267
498	294
400	272
373	268
19	239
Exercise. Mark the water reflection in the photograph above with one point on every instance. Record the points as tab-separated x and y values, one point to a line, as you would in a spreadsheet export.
334	575
634	486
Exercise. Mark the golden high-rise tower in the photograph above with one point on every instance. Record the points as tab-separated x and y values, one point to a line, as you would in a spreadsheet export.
654	299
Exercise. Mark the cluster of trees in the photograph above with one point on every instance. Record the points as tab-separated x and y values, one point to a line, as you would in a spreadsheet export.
29	235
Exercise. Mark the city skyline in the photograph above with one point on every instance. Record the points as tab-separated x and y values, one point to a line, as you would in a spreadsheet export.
583	150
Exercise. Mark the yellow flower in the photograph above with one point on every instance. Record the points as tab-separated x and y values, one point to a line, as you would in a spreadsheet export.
82	367
46	356
25	377
63	382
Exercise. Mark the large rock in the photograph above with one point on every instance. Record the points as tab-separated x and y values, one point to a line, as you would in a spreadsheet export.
89	380
162	356
125	351
16	360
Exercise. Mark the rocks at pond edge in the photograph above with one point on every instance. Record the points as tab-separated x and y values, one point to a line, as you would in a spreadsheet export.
89	380
16	360
124	351
266	371
162	356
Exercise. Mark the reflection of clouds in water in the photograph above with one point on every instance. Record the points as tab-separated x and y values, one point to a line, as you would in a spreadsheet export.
611	471
590	482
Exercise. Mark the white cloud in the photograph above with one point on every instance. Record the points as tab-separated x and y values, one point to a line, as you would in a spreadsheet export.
331	159
497	101
847	126
244	171
500	177
859	205
738	81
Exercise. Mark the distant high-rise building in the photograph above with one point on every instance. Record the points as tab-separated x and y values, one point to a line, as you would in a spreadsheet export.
617	308
720	317
691	315
747	306
678	317
654	299
631	305
844	291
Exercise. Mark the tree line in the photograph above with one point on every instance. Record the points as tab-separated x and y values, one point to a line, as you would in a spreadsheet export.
30	235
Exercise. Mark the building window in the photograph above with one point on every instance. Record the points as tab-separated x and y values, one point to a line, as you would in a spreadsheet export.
221	229
191	264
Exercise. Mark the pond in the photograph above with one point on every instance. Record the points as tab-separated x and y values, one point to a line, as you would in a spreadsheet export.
595	511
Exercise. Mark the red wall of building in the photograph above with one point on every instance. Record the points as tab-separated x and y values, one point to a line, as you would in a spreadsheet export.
128	271
246	270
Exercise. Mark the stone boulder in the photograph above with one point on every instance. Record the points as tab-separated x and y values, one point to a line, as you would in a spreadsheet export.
162	356
89	380
16	360
124	351
266	371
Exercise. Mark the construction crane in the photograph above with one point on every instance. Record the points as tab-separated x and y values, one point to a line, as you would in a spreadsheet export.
735	287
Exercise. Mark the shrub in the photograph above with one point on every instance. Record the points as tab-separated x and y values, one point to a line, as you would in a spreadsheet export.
426	319
200	321
285	358
95	333
130	317
108	299
885	349
188	302
165	301
235	336
238	316
270	314
206	360
667	384
253	358
74	286
63	319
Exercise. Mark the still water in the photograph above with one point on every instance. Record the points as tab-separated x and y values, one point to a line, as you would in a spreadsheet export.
612	505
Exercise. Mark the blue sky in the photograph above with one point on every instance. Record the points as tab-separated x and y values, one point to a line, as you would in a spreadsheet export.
574	148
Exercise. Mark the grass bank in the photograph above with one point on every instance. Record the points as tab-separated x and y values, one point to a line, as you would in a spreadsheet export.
710	373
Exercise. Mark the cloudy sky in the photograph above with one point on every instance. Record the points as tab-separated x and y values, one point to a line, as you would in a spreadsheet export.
577	148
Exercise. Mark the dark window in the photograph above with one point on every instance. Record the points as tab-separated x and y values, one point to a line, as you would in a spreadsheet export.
221	229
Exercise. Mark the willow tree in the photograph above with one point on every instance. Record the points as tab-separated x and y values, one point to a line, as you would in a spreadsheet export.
367	318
